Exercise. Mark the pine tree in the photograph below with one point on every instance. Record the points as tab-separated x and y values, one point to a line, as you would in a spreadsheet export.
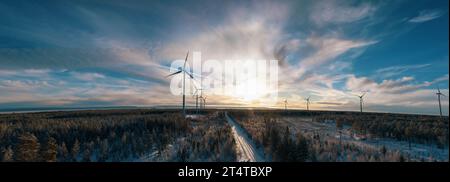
401	158
383	150
274	139
28	148
302	152
285	148
8	154
104	148
75	150
87	155
64	152
409	133
88	150
182	154
49	151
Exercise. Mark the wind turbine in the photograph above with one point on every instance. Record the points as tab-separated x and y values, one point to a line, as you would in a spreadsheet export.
196	99
361	101
439	94
285	104
307	103
183	70
198	96
204	102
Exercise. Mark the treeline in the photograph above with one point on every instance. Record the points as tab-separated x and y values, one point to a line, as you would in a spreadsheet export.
210	140
418	129
407	127
280	143
114	135
326	149
87	135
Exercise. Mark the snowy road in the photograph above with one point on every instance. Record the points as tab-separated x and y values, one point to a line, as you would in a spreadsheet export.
245	147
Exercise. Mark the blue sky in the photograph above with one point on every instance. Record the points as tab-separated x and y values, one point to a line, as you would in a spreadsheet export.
115	53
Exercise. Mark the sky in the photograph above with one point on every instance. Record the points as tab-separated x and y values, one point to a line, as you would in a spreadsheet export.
117	53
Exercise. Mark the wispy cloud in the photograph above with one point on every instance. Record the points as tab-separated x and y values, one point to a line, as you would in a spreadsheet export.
398	70
426	15
329	48
86	55
326	49
87	76
397	86
334	12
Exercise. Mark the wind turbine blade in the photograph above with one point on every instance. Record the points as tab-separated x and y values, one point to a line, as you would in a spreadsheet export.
363	94
195	75
186	56
195	86
190	75
173	73
196	90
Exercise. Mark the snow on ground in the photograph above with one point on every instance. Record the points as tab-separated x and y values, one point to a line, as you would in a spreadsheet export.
195	116
417	152
151	157
246	148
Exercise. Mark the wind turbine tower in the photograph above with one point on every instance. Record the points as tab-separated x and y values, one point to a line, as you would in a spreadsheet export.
307	103
196	95
361	101
204	102
439	94
183	70
285	104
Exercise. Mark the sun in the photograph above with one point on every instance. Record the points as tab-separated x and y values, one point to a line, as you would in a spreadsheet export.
249	97
250	90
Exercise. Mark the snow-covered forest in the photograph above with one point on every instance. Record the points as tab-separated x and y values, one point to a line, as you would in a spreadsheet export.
115	135
152	135
347	136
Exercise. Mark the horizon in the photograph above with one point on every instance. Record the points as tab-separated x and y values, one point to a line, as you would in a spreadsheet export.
189	108
66	54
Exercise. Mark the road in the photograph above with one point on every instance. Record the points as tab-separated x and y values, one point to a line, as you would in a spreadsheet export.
246	148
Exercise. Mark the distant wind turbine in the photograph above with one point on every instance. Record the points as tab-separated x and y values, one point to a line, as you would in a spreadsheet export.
439	94
307	103
198	95
183	70
204	102
196	98
361	101
285	104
